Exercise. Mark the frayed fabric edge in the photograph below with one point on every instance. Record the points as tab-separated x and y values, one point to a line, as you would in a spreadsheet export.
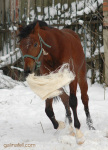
49	86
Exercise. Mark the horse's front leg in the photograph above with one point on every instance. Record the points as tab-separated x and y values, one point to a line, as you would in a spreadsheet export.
65	99
50	114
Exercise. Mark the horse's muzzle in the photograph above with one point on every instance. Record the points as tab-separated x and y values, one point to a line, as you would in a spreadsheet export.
27	71
37	72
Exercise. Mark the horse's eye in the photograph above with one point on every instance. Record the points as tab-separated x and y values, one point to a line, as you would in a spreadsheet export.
35	45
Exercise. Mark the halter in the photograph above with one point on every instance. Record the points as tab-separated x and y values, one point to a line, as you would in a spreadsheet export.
38	63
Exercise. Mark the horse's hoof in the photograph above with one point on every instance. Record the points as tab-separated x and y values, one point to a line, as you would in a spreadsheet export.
80	141
90	124
61	125
71	130
91	128
79	137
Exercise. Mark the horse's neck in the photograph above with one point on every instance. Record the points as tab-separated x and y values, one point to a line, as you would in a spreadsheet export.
50	37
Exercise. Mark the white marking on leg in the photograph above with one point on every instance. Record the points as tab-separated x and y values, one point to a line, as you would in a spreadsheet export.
61	125
79	137
71	130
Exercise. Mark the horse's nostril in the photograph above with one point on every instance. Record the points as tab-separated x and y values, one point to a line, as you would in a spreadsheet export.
28	71
37	73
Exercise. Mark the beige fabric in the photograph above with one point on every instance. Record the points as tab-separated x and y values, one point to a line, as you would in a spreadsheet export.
48	86
79	134
61	125
80	139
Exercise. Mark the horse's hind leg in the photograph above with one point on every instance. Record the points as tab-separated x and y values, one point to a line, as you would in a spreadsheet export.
50	114
73	102
73	105
65	99
84	96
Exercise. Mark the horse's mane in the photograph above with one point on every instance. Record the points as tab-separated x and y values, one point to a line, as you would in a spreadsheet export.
25	31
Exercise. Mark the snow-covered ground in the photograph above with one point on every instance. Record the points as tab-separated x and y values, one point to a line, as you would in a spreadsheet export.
23	121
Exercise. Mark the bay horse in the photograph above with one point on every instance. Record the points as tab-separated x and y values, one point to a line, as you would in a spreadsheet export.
45	49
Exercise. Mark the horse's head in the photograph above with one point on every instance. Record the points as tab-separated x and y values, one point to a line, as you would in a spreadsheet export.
30	45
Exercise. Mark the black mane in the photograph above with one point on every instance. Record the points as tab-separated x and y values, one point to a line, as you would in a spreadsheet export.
25	31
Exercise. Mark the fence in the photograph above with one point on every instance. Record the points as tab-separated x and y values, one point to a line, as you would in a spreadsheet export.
84	17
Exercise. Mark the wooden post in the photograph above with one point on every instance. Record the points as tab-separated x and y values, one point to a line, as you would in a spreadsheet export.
12	10
4	12
36	12
28	10
49	11
105	37
16	11
76	16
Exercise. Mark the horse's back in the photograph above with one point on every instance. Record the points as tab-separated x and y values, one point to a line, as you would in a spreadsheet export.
67	45
76	52
68	31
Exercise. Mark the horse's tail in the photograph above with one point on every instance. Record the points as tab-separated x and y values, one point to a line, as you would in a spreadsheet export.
56	99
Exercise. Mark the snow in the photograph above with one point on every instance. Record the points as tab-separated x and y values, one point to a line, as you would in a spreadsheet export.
7	82
90	6
97	50
23	120
6	59
32	15
64	7
12	28
81	22
52	11
17	68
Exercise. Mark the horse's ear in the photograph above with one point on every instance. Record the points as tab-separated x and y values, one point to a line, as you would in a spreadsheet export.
37	28
20	27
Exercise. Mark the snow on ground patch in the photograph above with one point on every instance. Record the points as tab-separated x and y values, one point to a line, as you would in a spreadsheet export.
23	120
7	82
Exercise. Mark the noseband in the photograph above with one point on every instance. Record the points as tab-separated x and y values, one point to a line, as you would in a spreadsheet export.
38	63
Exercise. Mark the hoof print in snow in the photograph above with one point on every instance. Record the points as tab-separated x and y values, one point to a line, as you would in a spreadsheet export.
72	133
66	139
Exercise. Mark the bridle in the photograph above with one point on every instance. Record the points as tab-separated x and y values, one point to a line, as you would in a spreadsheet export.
36	59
